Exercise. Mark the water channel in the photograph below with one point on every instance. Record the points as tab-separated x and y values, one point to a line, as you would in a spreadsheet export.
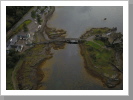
65	70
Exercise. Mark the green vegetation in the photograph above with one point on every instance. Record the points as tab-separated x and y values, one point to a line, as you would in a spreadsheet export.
103	58
100	30
14	14
107	71
25	28
32	55
115	37
21	26
99	59
9	84
99	63
94	45
42	9
38	7
99	42
95	31
11	59
18	29
39	19
100	55
26	71
33	14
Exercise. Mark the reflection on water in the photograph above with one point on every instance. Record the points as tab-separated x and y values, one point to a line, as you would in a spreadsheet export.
66	69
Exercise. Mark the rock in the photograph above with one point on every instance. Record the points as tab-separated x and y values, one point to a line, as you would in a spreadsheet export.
110	85
112	82
117	79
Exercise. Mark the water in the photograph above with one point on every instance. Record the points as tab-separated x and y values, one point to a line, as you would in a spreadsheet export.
76	20
65	71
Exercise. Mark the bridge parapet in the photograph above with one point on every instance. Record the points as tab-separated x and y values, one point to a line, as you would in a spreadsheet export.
65	40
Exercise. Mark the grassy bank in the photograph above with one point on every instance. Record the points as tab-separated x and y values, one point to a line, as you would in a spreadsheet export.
93	45
26	73
14	75
98	62
11	60
99	59
101	56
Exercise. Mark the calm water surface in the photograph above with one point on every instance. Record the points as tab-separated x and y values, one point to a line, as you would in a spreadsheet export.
66	69
76	20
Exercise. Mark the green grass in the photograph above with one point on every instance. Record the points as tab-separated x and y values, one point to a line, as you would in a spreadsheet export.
18	29
103	57
9	84
106	71
99	42
94	45
100	56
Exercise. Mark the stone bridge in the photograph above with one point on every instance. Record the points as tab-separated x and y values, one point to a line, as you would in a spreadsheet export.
64	40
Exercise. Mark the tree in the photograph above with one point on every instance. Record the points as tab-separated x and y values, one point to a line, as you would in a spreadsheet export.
38	7
33	14
25	28
12	52
15	57
19	13
10	64
8	25
39	19
42	10
12	58
10	19
15	13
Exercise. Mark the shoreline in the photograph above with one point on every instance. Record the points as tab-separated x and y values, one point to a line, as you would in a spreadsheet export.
93	72
91	60
46	18
28	76
38	72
